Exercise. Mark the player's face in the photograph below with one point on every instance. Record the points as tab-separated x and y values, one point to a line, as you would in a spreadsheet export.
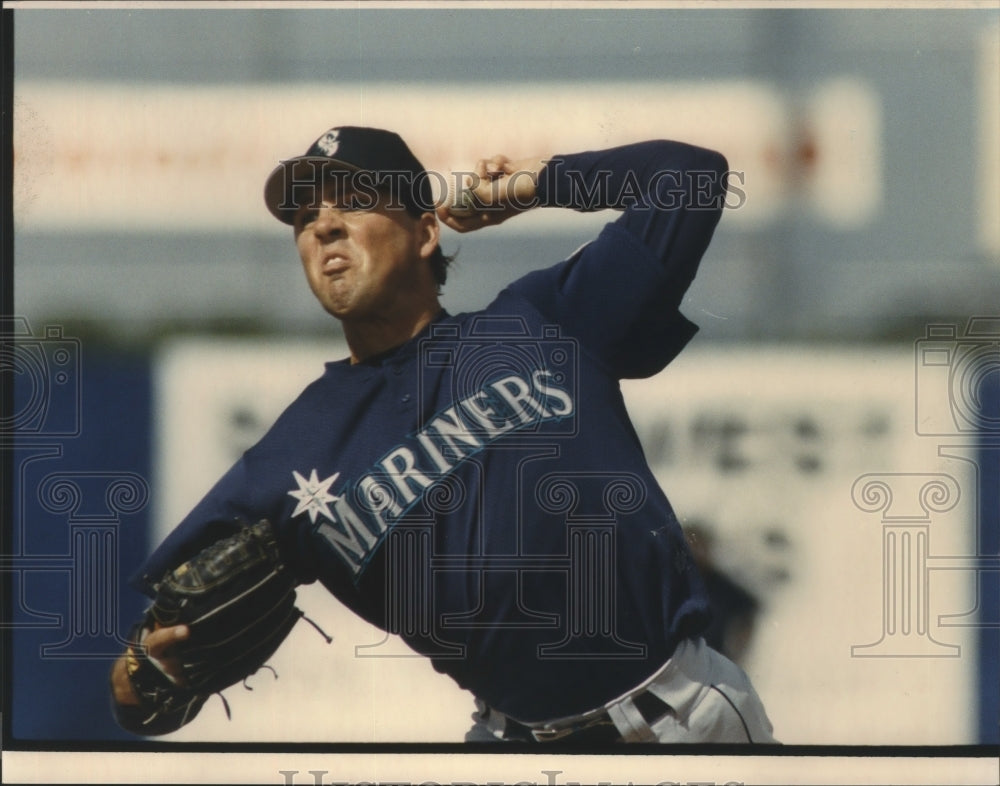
364	259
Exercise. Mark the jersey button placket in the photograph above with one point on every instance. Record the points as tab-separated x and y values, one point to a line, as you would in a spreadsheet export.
401	384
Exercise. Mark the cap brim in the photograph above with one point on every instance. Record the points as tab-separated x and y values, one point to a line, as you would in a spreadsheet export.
300	171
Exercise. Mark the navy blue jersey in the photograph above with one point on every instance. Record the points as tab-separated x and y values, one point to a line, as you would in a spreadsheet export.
480	490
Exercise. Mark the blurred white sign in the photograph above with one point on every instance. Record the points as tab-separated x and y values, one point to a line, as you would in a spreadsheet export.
132	157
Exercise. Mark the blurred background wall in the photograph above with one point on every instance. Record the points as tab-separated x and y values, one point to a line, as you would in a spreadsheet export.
864	228
868	142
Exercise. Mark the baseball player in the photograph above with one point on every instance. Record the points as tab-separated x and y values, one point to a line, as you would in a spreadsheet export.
472	482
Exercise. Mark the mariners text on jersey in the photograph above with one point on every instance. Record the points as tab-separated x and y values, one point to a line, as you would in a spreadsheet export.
355	521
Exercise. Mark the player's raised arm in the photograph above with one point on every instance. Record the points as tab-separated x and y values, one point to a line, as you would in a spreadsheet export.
653	181
672	193
620	294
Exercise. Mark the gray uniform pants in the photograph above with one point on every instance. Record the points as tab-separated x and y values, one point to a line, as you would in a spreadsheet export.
709	699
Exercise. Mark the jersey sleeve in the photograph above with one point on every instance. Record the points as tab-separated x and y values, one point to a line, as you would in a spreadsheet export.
620	294
253	488
215	517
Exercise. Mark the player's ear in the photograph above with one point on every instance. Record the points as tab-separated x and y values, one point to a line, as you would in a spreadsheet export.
428	234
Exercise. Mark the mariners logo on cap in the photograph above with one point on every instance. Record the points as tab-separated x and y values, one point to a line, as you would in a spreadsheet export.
329	142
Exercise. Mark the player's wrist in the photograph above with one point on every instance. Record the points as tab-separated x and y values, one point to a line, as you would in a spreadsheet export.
522	184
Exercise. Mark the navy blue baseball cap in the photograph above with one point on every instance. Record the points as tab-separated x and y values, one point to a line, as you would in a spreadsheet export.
379	159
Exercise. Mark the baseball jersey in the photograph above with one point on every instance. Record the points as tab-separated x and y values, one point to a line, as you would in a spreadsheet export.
480	490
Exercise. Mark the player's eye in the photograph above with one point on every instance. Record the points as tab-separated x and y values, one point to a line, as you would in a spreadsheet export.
305	216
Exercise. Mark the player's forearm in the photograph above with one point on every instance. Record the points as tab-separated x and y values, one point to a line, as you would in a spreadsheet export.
658	175
672	194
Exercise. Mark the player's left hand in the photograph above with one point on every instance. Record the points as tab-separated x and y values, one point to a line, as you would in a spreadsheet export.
495	190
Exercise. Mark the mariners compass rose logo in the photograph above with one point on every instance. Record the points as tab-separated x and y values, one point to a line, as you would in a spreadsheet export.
314	495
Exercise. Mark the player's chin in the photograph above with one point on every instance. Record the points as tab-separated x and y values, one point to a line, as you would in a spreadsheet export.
342	306
334	296
336	310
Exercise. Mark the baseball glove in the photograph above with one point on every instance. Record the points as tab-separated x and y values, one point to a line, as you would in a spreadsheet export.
238	601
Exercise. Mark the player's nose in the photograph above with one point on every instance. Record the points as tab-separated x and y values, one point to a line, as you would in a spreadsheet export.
329	223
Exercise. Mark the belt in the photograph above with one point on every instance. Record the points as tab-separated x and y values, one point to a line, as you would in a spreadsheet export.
596	728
